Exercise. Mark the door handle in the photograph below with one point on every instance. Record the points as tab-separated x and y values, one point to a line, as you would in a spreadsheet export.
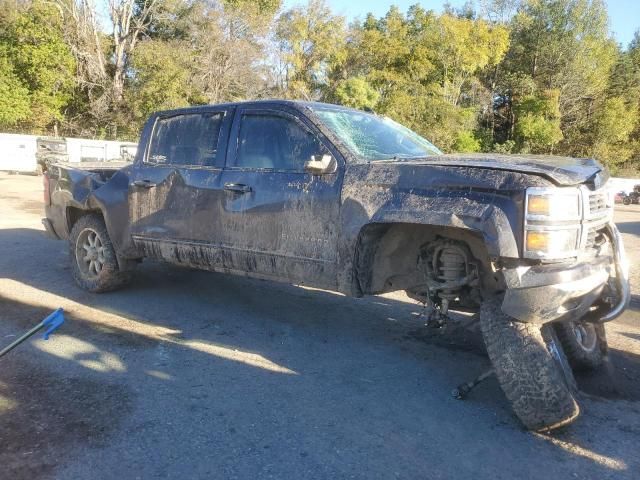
143	184
237	187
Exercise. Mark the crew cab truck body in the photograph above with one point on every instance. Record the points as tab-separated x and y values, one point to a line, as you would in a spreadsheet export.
330	197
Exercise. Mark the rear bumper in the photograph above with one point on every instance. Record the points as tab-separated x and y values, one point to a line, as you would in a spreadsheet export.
544	293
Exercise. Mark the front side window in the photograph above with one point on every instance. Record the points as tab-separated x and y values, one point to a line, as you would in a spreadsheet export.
274	142
186	140
371	137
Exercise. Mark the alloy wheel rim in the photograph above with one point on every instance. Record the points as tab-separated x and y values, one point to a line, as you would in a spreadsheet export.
90	253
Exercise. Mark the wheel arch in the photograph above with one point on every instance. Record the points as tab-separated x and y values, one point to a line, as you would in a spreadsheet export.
73	213
386	254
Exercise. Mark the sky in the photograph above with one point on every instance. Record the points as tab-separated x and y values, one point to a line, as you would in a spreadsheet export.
624	15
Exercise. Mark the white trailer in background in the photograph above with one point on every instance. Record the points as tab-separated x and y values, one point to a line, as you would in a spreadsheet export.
85	150
18	153
623	184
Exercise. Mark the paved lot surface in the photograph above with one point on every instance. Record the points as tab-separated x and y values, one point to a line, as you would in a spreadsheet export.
190	374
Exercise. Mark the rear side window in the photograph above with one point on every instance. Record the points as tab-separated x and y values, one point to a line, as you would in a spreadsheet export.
187	140
274	142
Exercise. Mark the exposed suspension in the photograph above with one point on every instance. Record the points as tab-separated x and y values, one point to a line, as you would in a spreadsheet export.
449	270
450	265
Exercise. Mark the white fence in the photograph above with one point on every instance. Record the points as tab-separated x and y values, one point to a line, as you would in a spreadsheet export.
18	152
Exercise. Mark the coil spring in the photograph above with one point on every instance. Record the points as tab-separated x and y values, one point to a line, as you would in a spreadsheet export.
450	265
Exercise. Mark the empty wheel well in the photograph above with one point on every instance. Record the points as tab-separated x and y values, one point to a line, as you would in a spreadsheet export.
388	256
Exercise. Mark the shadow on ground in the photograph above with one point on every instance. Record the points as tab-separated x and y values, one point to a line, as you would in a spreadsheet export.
227	355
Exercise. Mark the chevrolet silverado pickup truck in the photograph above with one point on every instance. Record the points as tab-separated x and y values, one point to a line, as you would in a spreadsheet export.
340	199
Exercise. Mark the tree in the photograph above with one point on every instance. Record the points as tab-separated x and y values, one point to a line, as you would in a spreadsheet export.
563	45
614	122
130	19
538	122
89	109
462	48
357	93
37	59
229	51
424	69
160	79
14	96
309	38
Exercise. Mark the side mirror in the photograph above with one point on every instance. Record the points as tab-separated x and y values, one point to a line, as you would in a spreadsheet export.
320	165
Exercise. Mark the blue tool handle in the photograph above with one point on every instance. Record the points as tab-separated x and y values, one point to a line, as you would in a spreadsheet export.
53	321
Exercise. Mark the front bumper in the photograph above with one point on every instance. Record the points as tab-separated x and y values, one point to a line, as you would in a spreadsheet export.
48	226
544	293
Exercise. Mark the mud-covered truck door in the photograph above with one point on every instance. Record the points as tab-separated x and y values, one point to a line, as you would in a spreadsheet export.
282	192
175	189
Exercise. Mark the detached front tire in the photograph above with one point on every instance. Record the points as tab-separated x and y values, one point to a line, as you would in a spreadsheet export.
94	265
530	376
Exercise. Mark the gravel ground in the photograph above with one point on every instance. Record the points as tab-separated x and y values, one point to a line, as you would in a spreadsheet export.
190	374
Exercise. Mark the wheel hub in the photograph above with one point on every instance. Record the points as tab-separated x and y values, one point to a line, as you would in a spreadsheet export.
585	336
90	253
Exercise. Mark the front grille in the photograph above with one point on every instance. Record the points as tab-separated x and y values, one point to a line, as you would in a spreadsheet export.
597	213
597	203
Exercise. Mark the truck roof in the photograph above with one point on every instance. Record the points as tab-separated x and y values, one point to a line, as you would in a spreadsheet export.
299	104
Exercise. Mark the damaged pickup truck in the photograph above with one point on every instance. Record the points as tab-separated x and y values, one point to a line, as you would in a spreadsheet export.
335	198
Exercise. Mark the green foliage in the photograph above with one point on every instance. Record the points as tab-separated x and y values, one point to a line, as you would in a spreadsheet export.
467	142
505	148
41	62
462	47
268	7
161	79
562	45
538	122
423	68
14	96
310	39
539	76
356	92
613	125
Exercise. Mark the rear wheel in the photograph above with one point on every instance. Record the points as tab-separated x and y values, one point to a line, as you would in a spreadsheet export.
584	343
93	260
528	366
626	201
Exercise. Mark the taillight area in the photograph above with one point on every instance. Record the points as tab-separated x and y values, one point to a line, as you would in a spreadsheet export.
47	189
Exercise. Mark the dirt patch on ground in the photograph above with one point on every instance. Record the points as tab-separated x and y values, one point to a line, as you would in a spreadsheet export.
44	418
32	207
456	336
619	378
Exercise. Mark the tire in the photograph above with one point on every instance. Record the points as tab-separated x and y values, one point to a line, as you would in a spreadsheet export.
585	344
101	272
528	372
626	201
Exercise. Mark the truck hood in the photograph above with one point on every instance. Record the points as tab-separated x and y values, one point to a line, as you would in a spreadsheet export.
560	170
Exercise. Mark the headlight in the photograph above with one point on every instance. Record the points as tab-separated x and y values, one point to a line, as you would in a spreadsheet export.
552	222
553	204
